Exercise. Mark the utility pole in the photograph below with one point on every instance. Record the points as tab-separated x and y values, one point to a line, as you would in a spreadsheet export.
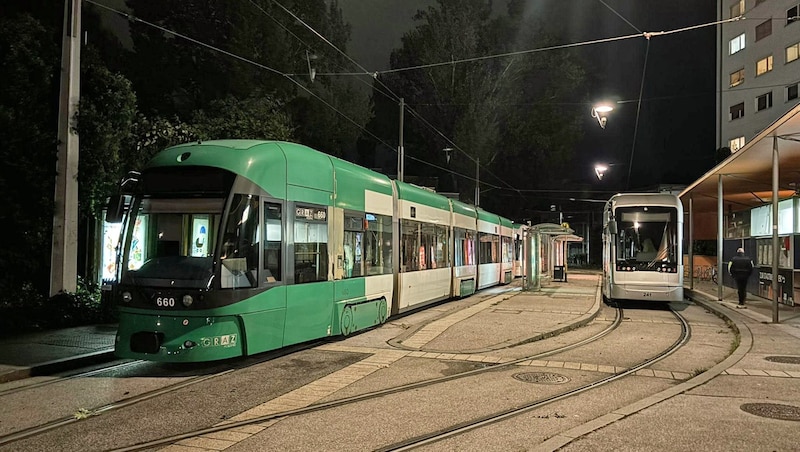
64	253
400	152
478	182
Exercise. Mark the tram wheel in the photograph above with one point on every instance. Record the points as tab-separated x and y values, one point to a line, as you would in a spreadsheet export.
347	326
382	311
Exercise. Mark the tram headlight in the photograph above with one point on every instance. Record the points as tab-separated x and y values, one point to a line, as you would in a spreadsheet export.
127	297
187	300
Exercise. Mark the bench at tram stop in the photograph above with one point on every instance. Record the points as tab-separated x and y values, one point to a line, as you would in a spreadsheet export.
560	273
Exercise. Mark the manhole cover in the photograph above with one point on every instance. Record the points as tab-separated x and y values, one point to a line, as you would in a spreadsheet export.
541	377
784	359
773	411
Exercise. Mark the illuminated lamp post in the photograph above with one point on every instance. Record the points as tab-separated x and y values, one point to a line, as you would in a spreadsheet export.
600	113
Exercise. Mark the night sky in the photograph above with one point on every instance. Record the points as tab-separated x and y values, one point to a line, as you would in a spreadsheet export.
674	138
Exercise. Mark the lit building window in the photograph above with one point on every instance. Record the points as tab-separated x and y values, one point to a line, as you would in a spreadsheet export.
737	78
764	65
792	52
736	44
736	144
737	8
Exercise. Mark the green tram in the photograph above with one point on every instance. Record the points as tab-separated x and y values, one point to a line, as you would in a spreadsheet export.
235	247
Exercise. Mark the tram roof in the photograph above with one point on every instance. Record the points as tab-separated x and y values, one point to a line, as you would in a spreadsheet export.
747	173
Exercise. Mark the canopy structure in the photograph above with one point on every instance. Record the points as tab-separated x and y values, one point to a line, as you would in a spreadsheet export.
766	170
548	240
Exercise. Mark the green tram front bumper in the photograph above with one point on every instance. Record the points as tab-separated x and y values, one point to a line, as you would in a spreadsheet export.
178	338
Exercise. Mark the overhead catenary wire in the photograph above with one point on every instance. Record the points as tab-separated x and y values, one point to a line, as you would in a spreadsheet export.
132	18
397	97
375	74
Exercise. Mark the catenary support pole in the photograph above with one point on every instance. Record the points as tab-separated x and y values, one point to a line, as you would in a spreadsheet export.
400	151
64	252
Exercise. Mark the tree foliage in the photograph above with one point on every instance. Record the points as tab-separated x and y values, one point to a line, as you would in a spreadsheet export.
28	113
505	112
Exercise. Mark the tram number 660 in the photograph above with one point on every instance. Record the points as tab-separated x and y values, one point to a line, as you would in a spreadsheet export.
165	302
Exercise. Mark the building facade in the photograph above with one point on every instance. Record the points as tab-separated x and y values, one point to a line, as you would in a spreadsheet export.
758	67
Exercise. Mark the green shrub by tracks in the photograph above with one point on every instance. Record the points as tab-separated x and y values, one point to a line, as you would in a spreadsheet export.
29	310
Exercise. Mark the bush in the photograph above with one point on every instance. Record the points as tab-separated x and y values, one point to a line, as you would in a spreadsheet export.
33	312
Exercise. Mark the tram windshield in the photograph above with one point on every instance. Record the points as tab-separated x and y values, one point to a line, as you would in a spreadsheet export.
170	241
647	237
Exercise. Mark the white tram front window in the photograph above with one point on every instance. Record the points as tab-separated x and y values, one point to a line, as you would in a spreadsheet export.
647	238
171	240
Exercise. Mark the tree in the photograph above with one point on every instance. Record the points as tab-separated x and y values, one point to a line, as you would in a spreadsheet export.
29	59
505	112
105	119
257	117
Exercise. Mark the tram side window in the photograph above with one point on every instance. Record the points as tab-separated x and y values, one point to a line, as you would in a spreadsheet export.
240	248
464	247
487	248
508	250
423	246
367	244
378	244
310	244
439	251
273	231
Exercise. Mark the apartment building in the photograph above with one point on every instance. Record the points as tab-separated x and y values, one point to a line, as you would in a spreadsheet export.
758	66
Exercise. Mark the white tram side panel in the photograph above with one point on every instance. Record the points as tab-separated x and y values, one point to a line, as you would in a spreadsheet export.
419	285
489	272
463	238
506	251
378	286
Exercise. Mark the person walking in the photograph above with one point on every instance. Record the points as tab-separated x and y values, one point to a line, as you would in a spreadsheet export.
740	268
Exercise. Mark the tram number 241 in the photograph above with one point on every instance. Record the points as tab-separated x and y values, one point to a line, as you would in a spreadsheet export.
647	294
165	302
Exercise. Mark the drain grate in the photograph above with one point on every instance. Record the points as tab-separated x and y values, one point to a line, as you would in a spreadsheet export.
784	359
541	377
773	411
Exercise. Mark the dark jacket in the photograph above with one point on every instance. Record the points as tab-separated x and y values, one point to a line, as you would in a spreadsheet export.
740	267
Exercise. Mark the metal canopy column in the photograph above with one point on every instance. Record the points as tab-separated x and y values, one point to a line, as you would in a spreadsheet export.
691	244
775	244
720	234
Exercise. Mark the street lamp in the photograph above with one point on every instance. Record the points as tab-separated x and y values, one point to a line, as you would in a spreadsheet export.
600	113
311	71
599	170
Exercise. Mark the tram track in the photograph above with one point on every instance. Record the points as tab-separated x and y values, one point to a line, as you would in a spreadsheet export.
376	394
82	414
477	423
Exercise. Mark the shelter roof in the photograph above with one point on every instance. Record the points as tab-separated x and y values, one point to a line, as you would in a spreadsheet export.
747	173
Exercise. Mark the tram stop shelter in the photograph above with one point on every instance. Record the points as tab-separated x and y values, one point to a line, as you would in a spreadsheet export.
545	253
750	200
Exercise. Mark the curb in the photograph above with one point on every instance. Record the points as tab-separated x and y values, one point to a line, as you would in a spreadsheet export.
59	365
